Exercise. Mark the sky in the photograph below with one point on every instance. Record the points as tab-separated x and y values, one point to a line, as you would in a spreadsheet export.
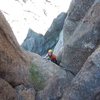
35	14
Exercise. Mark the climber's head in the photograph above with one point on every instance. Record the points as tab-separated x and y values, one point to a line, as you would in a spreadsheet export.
50	52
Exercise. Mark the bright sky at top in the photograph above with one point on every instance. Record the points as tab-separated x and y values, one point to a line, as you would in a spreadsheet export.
35	14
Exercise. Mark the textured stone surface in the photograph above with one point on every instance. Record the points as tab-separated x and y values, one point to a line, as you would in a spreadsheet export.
59	46
34	42
18	66
83	42
55	88
52	35
86	84
42	70
76	13
25	92
80	57
6	91
14	63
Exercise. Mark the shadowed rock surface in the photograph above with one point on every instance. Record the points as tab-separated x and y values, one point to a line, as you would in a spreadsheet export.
25	93
86	84
77	77
55	88
78	46
20	67
14	63
34	42
43	70
52	35
6	91
76	13
83	42
59	46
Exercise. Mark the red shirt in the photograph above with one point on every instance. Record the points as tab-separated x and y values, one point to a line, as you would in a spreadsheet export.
53	57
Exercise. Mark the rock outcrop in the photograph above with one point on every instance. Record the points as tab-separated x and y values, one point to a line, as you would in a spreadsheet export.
14	64
75	14
81	35
34	42
6	91
38	44
60	45
86	84
79	41
19	67
77	77
25	93
42	70
83	41
55	88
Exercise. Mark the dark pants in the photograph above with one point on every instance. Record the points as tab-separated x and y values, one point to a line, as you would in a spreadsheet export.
55	61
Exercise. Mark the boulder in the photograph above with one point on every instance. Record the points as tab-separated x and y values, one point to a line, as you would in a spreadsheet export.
55	88
86	84
6	91
43	70
14	63
75	14
33	42
21	67
83	42
25	92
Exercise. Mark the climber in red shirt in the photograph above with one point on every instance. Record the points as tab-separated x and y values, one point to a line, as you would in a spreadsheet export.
52	57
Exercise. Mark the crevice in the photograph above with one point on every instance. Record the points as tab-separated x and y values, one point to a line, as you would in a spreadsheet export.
70	72
67	70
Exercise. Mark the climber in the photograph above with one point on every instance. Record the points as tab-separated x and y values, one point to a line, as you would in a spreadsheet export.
52	57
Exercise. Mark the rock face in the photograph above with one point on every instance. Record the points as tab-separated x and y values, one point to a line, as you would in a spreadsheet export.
6	91
81	37
83	40
55	88
42	70
52	35
59	46
49	78
25	93
76	13
21	71
34	42
38	44
13	64
19	67
86	84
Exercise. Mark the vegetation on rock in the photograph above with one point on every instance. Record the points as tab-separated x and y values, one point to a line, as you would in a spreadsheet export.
36	78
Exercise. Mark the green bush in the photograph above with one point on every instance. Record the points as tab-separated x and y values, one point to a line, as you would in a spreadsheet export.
36	78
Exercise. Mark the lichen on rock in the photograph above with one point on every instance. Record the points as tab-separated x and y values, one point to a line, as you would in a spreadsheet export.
36	78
